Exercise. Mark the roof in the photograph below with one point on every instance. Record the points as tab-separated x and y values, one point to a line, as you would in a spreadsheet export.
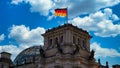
5	53
65	25
27	55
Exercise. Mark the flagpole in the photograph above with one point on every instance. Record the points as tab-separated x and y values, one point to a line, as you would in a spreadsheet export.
67	16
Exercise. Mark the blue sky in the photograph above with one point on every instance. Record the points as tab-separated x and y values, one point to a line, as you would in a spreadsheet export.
21	21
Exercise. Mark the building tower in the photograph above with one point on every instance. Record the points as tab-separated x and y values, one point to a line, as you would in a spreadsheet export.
66	46
5	61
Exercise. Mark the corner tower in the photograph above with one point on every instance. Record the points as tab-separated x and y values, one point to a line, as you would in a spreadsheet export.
5	60
67	35
66	46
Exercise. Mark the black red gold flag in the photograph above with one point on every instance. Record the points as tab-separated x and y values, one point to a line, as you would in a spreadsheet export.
61	12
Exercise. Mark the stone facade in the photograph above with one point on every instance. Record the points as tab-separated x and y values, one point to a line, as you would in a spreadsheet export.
67	47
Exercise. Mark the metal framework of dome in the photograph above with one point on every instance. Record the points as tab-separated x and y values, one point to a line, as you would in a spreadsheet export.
28	55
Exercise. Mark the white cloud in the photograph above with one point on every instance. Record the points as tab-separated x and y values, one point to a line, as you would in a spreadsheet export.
50	17
75	7
2	36
41	6
104	52
99	22
115	17
16	1
24	36
88	6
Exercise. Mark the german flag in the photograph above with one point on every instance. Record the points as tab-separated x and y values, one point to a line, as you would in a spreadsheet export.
61	12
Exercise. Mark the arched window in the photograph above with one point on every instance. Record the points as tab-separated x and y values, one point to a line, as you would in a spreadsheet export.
50	42
2	66
61	39
57	66
56	40
83	44
78	41
74	39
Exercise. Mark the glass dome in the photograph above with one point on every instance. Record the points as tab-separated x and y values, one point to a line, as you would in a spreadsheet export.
28	55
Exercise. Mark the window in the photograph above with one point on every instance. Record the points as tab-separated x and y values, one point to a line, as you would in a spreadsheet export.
2	66
58	66
56	40
83	43
74	39
76	67
50	41
78	41
61	39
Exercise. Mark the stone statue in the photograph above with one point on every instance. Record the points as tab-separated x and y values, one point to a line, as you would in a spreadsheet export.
107	66
92	53
42	54
76	50
99	62
99	66
91	57
59	48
